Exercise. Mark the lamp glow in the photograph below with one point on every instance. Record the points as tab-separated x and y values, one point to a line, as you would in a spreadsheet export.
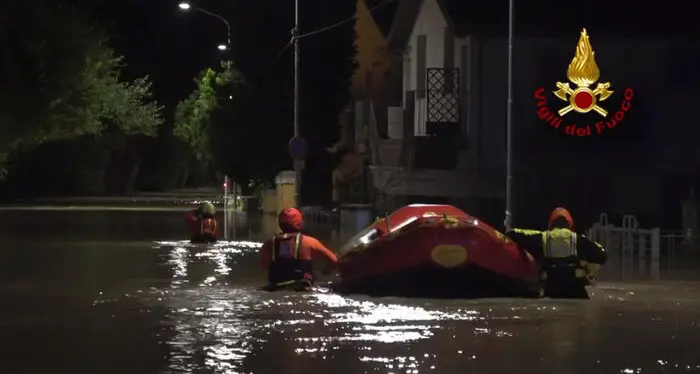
184	6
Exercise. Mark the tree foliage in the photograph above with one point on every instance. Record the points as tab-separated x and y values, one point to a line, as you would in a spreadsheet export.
193	115
62	80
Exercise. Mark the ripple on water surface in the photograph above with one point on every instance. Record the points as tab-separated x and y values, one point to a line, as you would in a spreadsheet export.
224	325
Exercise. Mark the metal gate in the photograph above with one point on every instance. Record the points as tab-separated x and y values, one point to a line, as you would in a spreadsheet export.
443	97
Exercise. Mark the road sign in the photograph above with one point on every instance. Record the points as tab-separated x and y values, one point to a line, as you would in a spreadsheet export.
298	147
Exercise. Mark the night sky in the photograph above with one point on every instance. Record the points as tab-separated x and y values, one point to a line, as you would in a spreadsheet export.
172	46
162	41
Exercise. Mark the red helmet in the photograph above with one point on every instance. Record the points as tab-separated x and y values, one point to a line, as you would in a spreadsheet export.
290	220
561	213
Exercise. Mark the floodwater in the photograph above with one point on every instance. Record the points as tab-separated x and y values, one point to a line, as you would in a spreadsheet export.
118	292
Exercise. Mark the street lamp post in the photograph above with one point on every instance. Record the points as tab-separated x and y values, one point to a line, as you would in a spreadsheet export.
185	6
298	144
297	130
509	119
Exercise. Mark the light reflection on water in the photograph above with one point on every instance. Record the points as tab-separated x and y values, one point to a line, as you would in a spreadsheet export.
237	329
220	330
215	327
222	254
210	332
102	299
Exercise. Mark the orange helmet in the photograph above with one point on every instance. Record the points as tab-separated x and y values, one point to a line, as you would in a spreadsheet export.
290	220
561	214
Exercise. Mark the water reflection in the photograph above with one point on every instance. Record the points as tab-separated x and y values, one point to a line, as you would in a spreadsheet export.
210	330
113	301
218	327
222	255
224	324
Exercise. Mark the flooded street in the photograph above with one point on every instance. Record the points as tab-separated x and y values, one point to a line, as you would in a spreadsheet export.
120	292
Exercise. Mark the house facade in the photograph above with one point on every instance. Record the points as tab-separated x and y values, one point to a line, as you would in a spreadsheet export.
376	79
454	99
373	76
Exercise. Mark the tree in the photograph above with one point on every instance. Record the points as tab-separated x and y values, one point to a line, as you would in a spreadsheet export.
61	80
193	115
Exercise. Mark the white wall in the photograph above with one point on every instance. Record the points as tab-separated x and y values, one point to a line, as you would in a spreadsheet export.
432	23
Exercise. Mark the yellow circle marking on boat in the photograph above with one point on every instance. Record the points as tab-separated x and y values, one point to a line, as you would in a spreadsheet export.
449	255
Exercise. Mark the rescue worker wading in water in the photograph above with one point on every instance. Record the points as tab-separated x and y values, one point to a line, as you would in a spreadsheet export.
202	223
569	261
288	256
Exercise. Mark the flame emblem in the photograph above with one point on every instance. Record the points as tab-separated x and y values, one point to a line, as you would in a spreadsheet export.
583	72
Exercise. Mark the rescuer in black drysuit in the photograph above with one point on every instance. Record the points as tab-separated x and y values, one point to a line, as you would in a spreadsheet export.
569	261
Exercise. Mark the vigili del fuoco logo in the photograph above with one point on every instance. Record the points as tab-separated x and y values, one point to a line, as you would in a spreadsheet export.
583	73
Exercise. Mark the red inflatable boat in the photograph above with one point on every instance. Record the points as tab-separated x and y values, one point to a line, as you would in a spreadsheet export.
435	251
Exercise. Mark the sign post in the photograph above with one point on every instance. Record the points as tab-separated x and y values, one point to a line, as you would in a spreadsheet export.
233	221
225	207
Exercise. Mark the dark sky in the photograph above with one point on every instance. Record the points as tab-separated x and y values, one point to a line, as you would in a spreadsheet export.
172	46
160	40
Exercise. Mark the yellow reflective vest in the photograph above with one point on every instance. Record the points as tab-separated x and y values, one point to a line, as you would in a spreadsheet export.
559	244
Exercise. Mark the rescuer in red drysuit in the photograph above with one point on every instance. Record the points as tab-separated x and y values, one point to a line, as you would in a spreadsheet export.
569	260
288	255
202	223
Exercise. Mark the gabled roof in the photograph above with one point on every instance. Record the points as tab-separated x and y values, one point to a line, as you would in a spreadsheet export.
384	14
603	18
406	15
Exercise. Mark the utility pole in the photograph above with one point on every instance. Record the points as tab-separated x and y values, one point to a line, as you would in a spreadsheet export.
297	133
509	119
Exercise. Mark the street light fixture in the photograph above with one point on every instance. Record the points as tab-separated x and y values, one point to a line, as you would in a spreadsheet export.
185	6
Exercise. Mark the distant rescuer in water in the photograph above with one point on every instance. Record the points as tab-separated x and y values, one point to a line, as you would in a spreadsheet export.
202	223
569	260
288	256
